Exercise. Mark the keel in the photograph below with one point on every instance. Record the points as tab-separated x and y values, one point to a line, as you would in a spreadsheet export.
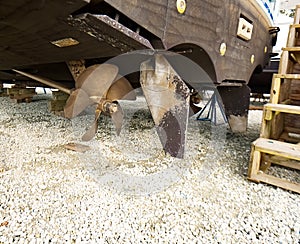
236	100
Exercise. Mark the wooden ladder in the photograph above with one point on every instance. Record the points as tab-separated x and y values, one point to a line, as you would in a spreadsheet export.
279	141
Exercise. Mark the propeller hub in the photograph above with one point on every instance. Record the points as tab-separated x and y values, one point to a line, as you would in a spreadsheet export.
108	106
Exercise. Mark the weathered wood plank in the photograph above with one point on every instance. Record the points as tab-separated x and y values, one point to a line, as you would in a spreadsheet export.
283	108
287	138
278	148
287	76
292	121
272	180
293	164
254	163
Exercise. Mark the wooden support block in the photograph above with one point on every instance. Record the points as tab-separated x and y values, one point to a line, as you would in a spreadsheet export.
21	94
56	105
59	95
27	91
22	100
285	154
12	91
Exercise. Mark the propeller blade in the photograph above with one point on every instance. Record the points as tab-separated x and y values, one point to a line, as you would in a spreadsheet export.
90	133
97	79
117	118
76	103
121	89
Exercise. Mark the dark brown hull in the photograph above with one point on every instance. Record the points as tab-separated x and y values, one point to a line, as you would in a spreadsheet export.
28	27
230	40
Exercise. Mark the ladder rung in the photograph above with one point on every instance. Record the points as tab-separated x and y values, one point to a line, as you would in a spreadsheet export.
291	49
296	26
278	148
288	76
283	108
294	52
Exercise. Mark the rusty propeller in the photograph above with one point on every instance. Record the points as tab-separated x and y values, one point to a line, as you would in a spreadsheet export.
119	90
101	85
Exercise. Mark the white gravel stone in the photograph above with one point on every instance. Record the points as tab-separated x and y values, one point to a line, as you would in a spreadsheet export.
125	190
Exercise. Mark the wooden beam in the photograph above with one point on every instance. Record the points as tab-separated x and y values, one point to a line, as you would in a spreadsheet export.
296	26
287	76
272	180
255	159
289	163
294	53
297	15
283	108
277	148
275	90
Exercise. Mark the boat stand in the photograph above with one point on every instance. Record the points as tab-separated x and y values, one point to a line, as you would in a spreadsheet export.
212	106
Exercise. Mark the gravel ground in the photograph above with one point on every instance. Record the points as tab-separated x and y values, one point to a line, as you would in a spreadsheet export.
125	190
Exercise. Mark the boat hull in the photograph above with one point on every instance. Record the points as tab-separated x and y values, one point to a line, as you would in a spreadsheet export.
229	39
